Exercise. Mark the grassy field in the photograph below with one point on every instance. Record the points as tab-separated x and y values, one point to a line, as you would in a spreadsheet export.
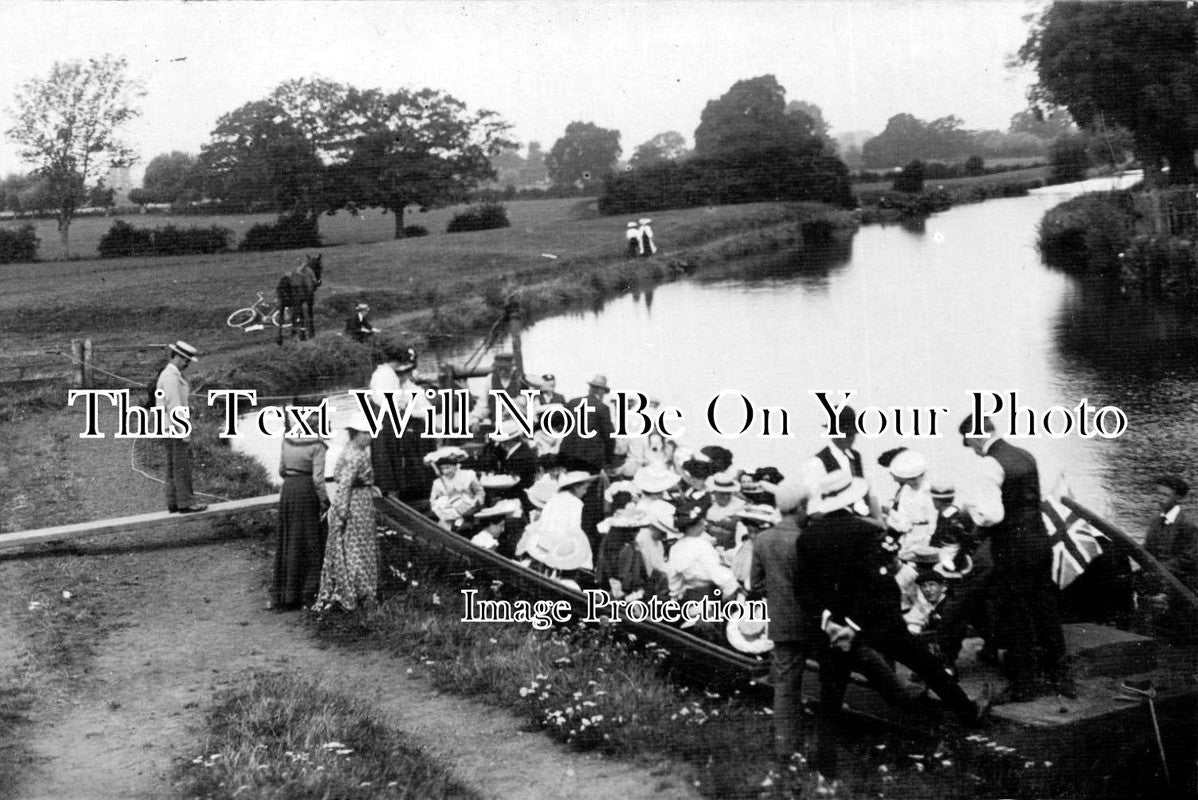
373	225
1014	176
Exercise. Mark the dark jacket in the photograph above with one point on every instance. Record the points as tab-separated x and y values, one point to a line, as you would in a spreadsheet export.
773	570
842	568
592	454
1020	541
1176	547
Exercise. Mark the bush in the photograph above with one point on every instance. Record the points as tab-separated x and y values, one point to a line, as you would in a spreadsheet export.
287	233
910	180
974	166
482	217
1088	233
1069	160
415	230
19	244
124	239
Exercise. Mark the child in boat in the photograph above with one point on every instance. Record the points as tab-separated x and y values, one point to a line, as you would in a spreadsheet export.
494	521
456	493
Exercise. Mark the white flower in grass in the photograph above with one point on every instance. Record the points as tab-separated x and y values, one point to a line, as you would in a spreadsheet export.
34	605
437	602
66	595
333	746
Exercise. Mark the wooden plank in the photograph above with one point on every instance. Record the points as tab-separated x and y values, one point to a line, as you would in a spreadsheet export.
138	522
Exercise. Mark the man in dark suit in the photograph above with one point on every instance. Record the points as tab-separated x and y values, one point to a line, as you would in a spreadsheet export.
359	327
1026	598
592	454
845	585
1171	537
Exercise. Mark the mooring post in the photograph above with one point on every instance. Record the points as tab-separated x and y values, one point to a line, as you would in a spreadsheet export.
87	363
77	362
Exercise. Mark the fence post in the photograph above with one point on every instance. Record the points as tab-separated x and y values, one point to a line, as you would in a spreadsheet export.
77	358
87	363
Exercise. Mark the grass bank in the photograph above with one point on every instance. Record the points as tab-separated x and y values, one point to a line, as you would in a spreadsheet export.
275	735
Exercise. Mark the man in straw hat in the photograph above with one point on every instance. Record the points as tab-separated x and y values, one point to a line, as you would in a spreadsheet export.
846	589
837	455
359	327
174	391
592	454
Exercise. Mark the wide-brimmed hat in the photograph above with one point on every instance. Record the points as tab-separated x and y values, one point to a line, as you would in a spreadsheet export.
722	483
404	358
1174	482
182	348
632	224
540	492
574	478
898	522
644	220
747	635
788	495
357	422
504	508
446	455
759	514
908	464
510	429
840	490
611	491
361	307
662	518
627	517
560	552
654	478
943	489
498	481
953	564
599	382
721	456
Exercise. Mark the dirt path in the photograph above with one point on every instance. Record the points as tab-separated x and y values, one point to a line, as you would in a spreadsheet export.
186	620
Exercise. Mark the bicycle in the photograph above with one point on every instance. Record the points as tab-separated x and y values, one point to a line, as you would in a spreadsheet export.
260	312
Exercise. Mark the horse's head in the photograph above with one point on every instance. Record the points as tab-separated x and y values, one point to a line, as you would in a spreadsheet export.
315	264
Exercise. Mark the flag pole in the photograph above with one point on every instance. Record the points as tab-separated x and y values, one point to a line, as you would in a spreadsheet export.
1145	559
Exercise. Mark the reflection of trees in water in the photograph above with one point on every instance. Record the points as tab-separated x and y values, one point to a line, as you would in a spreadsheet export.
808	265
1143	359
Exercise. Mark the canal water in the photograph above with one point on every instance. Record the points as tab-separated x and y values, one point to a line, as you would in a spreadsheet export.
906	317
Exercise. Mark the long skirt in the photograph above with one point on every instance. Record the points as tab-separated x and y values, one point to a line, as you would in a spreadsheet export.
351	556
399	466
299	550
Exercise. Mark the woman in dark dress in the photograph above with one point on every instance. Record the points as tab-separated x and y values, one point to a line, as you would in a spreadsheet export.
300	546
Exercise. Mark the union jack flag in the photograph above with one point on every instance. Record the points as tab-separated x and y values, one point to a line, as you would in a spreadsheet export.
1074	543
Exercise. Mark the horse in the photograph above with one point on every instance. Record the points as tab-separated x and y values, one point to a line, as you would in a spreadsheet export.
297	293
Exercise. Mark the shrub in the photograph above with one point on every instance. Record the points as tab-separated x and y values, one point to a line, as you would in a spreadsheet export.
975	165
287	233
481	217
415	230
19	244
1087	233
124	239
910	180
1069	160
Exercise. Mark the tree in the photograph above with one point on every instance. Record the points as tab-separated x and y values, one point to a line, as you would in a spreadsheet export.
278	152
1043	123
1131	64
910	179
68	127
101	196
907	138
174	177
585	153
534	166
668	146
752	115
975	165
819	126
1069	159
419	148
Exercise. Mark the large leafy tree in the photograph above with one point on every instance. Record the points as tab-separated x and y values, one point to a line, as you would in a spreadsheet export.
907	138
171	178
586	153
752	116
668	146
68	127
279	152
422	148
1131	64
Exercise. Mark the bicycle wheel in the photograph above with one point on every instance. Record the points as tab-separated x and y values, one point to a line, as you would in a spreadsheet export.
274	318
241	317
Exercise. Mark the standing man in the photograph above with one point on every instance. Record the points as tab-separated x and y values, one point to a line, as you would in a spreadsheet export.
838	455
1022	555
593	454
173	391
1171	537
844	583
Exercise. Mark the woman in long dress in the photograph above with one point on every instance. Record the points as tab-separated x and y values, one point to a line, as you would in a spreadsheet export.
351	557
397	460
301	536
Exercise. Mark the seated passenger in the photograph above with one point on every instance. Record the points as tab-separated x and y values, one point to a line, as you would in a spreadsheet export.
621	570
456	493
494	523
694	567
556	537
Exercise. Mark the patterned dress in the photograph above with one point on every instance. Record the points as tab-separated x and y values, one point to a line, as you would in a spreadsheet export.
351	558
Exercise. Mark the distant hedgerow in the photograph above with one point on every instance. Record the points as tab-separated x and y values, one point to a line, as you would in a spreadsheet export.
18	244
481	217
124	239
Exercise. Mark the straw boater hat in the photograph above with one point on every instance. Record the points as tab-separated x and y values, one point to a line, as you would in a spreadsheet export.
953	565
182	348
748	635
908	464
540	492
560	552
574	478
502	509
663	519
445	455
632	224
361	307
510	429
723	483
654	478
627	517
943	489
840	490
644	220
759	515
599	382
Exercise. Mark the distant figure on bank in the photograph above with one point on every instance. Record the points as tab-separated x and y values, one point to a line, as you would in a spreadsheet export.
648	248
633	236
351	558
299	550
174	391
359	327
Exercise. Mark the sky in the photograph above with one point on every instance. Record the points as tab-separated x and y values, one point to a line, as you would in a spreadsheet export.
639	67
